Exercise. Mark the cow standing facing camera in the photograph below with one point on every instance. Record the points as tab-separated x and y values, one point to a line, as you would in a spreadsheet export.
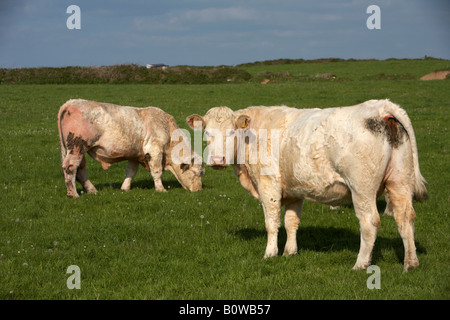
283	156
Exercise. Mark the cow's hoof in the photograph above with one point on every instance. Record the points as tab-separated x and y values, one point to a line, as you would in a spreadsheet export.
411	264
289	253
92	191
360	266
268	255
73	195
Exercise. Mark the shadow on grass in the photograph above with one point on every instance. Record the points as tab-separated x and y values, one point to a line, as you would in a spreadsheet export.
141	184
326	239
148	184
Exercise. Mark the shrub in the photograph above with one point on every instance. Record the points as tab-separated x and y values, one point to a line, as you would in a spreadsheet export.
130	73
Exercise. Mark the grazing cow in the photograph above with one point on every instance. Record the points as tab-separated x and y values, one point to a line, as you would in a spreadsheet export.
331	156
111	133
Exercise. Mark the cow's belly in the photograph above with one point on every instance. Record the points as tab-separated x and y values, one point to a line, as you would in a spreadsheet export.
308	172
108	150
335	193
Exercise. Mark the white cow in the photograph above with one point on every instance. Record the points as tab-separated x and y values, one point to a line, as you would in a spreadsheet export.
111	133
332	156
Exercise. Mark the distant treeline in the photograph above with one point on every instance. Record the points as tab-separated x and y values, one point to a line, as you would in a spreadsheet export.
132	73
322	60
128	73
293	61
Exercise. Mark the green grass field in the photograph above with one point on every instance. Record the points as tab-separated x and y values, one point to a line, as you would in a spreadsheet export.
210	244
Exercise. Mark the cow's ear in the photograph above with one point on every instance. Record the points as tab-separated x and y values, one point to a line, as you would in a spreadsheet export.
195	122
243	122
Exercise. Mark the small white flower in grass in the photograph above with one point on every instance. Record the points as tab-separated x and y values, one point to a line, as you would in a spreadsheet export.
201	220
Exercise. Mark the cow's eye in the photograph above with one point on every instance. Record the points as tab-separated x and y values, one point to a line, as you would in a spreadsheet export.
207	133
230	133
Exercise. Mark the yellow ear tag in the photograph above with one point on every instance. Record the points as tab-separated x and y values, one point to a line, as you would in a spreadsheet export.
243	125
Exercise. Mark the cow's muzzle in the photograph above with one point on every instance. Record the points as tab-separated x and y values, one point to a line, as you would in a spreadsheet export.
217	162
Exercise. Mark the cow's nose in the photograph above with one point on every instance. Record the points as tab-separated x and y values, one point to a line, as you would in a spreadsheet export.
217	161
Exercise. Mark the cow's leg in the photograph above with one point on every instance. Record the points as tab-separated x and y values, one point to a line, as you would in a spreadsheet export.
130	173
389	211
369	221
70	166
404	215
272	207
291	222
155	152
82	177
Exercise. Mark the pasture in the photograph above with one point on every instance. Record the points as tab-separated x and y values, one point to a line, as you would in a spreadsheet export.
210	244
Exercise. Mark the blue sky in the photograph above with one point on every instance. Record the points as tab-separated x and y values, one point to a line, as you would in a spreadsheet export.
33	33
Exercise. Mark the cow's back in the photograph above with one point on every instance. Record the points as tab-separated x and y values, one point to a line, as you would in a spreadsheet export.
276	117
113	133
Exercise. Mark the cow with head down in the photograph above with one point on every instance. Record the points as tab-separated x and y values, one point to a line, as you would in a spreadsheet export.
283	156
111	133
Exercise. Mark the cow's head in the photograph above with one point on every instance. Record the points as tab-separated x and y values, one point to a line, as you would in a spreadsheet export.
189	174
221	126
186	165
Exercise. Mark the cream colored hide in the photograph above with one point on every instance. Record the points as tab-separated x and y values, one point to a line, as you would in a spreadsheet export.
111	133
332	156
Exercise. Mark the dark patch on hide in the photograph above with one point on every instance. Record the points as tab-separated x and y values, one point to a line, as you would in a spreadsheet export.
144	161
69	169
74	142
389	127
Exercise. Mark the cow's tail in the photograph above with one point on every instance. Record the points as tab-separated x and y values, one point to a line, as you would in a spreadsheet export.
420	190
62	143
